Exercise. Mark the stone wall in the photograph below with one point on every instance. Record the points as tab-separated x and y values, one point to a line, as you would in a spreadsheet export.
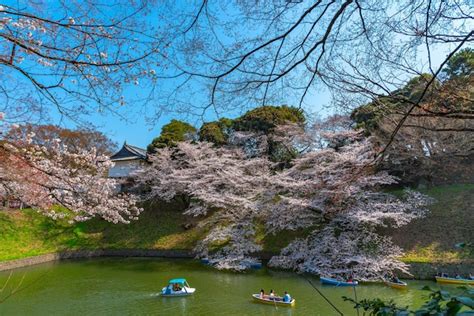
13	264
427	271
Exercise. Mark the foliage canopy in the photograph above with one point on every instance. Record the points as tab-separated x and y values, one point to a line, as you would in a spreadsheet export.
172	133
265	118
216	132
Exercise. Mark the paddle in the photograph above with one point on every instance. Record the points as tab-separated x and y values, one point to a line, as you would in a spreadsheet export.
274	302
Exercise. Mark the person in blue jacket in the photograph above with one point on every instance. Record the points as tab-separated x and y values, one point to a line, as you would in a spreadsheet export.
286	297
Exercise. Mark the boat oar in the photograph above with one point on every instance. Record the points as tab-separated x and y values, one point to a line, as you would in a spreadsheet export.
274	302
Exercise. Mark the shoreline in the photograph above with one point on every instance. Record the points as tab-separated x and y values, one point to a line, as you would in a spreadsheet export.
419	270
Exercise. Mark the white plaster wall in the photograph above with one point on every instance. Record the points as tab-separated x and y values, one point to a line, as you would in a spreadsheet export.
123	169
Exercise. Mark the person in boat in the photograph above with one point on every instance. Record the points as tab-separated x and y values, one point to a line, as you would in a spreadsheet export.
286	297
272	295
471	276
395	279
350	279
458	276
262	294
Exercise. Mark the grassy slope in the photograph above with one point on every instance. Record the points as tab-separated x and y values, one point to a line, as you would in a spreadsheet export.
26	233
449	222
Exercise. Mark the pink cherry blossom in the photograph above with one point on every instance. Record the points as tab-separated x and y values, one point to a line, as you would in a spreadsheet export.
46	176
333	191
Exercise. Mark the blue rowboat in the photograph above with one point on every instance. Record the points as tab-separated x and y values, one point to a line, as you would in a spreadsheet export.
331	281
177	287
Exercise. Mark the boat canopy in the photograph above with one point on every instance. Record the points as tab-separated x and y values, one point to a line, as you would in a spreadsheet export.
179	281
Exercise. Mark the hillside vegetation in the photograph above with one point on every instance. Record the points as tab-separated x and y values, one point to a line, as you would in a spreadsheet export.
450	222
26	233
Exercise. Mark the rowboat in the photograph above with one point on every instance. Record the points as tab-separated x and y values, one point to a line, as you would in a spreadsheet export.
397	285
275	300
335	282
177	287
454	280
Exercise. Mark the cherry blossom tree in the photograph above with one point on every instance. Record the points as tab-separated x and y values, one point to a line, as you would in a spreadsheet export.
341	185
350	243
225	190
44	177
75	139
333	191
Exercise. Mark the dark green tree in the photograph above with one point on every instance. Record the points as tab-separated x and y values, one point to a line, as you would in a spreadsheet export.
172	133
216	132
368	116
458	73
461	64
265	118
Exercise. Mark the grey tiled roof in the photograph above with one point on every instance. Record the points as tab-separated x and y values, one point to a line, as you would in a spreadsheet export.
129	151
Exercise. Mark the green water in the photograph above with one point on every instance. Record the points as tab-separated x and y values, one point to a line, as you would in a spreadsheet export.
129	286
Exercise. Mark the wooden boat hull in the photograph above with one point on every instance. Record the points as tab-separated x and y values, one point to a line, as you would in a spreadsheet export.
256	297
399	286
335	282
454	281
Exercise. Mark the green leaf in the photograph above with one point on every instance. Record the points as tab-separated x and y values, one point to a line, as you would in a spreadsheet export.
445	295
421	312
453	307
466	301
